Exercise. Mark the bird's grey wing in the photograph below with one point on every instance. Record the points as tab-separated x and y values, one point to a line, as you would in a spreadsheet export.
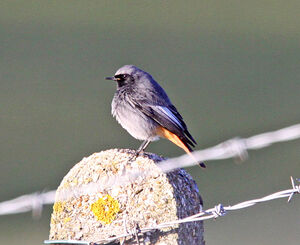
168	117
175	112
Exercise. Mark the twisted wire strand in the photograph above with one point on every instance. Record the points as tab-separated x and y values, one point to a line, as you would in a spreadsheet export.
212	213
233	148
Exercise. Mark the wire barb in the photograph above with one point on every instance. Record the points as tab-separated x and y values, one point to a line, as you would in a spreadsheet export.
295	187
212	213
233	148
219	211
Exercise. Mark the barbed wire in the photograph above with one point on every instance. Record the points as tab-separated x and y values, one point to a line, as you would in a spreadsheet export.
31	202
212	213
233	148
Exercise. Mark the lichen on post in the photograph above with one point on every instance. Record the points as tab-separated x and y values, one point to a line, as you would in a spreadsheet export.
96	214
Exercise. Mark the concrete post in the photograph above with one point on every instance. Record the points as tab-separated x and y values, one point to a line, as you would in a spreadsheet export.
95	214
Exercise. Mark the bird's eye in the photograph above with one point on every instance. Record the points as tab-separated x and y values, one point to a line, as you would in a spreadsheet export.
121	77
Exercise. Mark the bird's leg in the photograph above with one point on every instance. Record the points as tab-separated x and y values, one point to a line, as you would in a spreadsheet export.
142	147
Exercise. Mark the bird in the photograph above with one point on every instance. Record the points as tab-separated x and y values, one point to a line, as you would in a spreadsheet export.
143	108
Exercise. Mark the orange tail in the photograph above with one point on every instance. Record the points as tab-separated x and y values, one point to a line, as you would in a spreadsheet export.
163	132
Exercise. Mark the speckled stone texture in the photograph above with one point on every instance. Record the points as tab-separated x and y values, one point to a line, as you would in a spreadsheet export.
146	201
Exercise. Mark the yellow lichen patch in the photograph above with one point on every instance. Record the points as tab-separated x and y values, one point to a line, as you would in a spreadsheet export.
75	181
52	220
88	180
105	209
58	207
66	220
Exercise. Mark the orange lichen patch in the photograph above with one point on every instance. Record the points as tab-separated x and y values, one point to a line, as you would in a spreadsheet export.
58	207
114	166
105	209
138	162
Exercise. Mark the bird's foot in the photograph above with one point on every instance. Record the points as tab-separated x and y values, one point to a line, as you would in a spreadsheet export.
136	155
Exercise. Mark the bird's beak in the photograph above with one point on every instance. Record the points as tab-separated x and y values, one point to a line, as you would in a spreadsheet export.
110	78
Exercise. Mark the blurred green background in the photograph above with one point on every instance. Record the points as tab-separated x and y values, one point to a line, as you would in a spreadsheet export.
231	68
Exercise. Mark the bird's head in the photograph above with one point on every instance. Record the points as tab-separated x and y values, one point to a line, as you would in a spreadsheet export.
128	75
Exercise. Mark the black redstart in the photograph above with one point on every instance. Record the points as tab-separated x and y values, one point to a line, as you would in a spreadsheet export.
144	109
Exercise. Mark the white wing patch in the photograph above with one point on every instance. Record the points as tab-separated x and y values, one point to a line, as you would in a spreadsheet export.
169	115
